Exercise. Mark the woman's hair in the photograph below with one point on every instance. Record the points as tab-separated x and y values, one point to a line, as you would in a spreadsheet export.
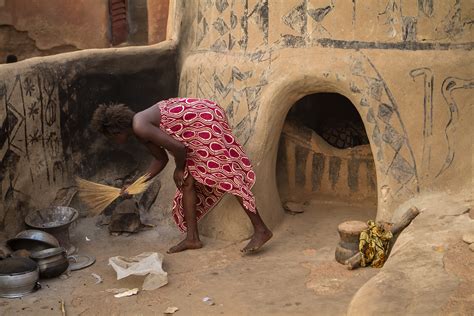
112	118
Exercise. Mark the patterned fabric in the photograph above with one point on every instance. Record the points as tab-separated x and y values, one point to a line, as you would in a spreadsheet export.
373	245
213	156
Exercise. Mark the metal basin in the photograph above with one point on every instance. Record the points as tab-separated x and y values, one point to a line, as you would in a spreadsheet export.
51	262
18	277
56	221
32	240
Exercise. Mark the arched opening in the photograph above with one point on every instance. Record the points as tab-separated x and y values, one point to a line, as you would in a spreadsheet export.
324	154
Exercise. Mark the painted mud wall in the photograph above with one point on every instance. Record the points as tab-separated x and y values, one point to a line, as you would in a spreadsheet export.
403	64
45	107
308	167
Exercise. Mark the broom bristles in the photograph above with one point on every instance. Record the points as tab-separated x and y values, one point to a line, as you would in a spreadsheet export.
98	196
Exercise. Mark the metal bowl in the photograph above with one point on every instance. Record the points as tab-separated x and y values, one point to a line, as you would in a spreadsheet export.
56	221
18	277
33	240
52	217
51	262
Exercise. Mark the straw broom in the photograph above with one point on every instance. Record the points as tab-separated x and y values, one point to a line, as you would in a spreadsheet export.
98	196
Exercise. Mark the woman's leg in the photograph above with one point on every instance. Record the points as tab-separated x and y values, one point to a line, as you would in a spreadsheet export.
192	240
261	232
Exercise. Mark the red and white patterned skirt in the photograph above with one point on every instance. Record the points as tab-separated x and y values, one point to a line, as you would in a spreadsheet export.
213	156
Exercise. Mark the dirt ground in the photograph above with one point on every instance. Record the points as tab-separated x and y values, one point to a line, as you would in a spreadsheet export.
294	274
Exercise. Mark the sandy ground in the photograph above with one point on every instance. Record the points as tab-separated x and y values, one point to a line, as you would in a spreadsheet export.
295	273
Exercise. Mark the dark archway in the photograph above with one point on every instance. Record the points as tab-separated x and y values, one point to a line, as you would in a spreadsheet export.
324	151
333	117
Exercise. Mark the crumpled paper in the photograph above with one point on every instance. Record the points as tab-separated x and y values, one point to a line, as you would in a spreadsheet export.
127	293
147	263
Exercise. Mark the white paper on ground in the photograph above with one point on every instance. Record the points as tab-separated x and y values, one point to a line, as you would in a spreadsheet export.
147	263
127	293
171	310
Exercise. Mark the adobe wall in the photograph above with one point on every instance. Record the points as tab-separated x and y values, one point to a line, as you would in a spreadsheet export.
30	28
308	167
403	64
46	104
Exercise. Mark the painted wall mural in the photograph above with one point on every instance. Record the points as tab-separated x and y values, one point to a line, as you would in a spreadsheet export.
251	26
388	133
449	85
236	88
31	126
30	140
308	166
45	110
230	33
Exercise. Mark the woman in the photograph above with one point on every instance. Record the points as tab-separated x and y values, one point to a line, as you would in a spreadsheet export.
209	161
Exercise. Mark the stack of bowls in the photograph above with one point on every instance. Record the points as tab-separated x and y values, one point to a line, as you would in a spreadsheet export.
44	249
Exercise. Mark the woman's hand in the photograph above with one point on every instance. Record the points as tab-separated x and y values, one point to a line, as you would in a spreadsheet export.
123	192
178	177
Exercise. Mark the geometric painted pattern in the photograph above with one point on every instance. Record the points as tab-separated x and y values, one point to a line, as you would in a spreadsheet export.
241	29
30	131
388	133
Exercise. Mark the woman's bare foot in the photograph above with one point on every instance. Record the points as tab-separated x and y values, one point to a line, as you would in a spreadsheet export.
185	245
257	241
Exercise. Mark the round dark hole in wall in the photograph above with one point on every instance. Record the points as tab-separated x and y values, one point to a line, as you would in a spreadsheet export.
333	117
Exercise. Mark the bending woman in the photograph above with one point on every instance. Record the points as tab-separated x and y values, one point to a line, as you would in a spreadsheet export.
209	160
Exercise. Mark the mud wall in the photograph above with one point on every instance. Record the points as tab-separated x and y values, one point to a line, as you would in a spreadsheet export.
403	64
309	167
34	28
30	28
157	20
45	108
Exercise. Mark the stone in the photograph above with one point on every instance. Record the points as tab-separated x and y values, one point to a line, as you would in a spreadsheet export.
293	208
125	218
471	213
471	246
469	238
149	196
4	252
21	253
64	196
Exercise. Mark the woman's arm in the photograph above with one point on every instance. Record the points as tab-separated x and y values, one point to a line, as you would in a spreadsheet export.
158	163
152	134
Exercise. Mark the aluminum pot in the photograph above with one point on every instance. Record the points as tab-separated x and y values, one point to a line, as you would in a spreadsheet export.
52	262
18	277
32	240
55	220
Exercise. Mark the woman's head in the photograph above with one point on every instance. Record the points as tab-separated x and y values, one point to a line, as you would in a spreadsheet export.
114	121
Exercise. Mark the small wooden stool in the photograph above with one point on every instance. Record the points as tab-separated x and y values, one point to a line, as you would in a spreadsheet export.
349	244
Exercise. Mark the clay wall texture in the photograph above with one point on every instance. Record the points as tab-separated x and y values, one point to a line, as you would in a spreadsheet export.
30	28
308	167
45	111
403	64
52	26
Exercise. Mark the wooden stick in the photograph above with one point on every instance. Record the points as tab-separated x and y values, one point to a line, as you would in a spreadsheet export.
63	308
405	220
354	261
